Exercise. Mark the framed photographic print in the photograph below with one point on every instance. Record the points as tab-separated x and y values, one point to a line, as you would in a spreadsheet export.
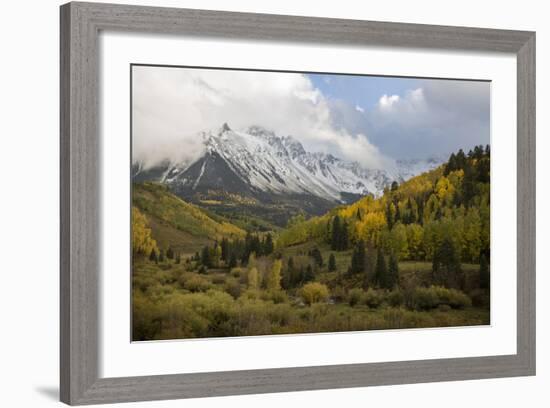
242	192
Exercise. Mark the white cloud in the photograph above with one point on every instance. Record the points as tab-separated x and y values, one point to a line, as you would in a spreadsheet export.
439	117
386	102
359	109
171	106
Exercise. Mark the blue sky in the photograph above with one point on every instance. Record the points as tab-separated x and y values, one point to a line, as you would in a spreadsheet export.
409	117
364	91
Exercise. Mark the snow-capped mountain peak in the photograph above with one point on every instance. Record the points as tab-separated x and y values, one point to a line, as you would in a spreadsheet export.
257	160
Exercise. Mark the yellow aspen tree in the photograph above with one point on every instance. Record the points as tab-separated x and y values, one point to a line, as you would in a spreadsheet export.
253	278
142	240
273	281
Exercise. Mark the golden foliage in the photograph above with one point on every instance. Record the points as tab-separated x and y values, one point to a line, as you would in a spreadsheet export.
273	278
314	292
253	278
142	241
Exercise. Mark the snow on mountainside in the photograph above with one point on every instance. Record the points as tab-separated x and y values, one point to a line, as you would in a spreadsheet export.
258	161
413	167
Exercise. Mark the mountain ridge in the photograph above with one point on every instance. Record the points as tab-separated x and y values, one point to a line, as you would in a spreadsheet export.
257	162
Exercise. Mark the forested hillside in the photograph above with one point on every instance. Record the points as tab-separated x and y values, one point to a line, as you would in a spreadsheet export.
441	216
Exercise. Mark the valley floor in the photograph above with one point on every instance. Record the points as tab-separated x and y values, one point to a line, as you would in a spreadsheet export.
172	302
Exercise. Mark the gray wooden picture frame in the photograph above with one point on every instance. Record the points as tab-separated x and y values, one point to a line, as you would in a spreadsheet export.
80	192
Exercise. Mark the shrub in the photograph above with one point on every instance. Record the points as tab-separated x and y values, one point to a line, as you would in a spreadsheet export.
425	298
144	325
165	267
276	296
338	293
372	298
451	297
237	272
196	283
355	296
480	298
314	292
279	314
233	287
191	315
444	308
218	279
432	297
251	294
459	300
395	298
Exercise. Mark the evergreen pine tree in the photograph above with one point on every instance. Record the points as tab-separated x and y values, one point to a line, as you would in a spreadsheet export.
268	245
256	246
393	272
410	216
344	243
370	267
232	260
290	264
358	258
451	165
308	274
153	256
484	276
317	257
225	249
446	269
389	215
469	183
206	259
336	234
331	263
170	253
381	270
484	170
478	152
420	219
161	255
460	160
397	217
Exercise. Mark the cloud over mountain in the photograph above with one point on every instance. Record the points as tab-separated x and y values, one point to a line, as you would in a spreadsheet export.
171	106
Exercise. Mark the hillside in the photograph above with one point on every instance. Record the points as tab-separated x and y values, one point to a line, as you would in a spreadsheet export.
415	218
176	223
